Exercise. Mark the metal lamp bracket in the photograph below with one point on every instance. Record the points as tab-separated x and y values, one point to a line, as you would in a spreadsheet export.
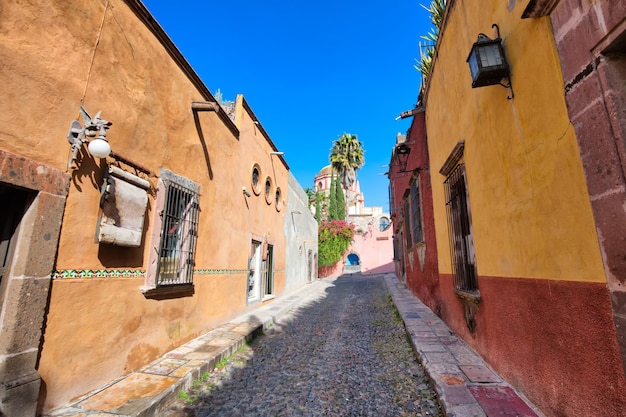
77	134
509	85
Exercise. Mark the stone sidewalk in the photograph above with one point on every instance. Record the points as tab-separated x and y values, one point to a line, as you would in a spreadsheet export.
148	391
466	386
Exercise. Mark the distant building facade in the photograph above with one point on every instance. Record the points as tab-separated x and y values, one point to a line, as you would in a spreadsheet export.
411	207
372	248
300	228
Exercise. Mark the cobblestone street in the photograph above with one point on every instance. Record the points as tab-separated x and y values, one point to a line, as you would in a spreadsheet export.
346	354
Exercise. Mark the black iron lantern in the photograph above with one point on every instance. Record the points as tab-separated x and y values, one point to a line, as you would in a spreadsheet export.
487	62
403	151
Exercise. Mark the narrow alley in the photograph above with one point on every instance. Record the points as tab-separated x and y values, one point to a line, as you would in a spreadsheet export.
345	354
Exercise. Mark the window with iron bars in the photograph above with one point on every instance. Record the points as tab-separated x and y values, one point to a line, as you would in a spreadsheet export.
460	232
417	229
179	235
407	222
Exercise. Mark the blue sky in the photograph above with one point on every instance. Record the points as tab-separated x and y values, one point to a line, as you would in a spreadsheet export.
310	71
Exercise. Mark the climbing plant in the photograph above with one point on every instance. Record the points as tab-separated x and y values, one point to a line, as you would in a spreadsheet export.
335	237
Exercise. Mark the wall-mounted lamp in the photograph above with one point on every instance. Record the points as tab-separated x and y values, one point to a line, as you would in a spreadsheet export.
402	152
487	62
77	135
246	192
277	153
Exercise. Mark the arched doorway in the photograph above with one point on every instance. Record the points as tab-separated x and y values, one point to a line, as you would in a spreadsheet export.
353	259
353	264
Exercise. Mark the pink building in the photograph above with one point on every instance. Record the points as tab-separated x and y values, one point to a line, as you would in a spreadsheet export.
371	251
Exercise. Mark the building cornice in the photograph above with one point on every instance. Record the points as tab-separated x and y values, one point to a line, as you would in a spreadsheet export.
258	124
539	8
453	159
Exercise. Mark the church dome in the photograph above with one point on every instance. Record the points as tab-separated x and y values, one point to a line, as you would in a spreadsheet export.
324	171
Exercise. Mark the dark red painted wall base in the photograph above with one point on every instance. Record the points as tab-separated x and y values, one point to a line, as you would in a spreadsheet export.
555	341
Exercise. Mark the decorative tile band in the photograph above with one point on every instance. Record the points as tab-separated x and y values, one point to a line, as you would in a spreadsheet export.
219	271
132	273
97	273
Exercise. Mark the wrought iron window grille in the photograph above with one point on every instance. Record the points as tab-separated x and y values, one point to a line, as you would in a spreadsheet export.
179	235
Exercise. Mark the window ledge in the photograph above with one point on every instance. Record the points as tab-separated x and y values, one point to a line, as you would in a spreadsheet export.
468	295
168	291
417	245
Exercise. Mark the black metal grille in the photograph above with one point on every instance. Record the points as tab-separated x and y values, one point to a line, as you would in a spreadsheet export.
269	272
178	236
459	229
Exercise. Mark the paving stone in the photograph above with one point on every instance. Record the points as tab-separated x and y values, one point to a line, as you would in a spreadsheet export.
443	368
439	357
501	402
128	392
479	373
473	410
433	347
165	367
452	379
343	355
457	395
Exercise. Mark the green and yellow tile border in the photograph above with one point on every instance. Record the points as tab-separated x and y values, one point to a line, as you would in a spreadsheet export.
134	273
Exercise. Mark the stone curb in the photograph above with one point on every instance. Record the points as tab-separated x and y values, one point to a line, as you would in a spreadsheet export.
163	379
465	384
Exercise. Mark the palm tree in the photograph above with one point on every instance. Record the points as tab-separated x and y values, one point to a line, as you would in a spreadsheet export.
346	157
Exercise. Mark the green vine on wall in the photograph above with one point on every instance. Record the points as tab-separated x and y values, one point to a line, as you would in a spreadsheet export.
335	237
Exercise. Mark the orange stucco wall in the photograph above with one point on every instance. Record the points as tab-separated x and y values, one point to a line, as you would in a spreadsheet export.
55	54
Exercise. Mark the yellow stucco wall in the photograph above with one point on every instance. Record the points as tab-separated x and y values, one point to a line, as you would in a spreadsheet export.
53	55
529	203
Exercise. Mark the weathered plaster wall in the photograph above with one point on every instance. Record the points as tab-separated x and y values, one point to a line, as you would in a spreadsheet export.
553	340
420	260
300	229
540	272
55	54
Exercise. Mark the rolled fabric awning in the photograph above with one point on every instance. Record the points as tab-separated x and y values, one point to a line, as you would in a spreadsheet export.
124	201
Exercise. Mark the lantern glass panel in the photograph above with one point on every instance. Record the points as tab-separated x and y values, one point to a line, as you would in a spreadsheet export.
473	63
490	55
